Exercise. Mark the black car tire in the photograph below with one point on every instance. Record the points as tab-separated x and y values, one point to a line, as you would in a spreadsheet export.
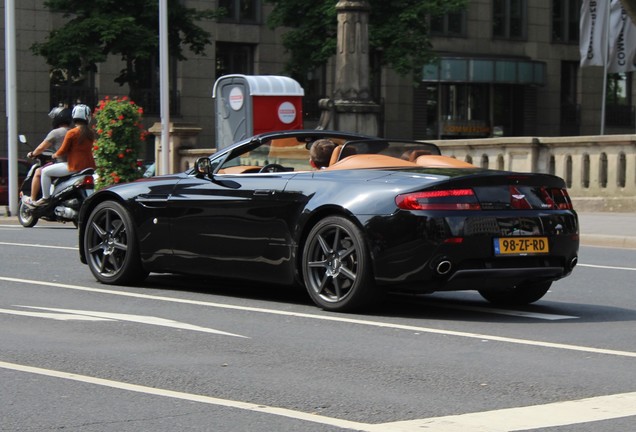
337	267
519	296
25	217
110	244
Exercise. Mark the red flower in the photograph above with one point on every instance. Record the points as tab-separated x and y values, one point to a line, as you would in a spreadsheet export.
121	117
120	155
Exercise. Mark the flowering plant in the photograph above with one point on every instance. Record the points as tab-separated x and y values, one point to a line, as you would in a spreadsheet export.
120	134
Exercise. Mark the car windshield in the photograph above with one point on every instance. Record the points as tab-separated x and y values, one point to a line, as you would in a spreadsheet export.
290	152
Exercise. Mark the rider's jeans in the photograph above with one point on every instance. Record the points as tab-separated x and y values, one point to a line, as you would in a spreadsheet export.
56	170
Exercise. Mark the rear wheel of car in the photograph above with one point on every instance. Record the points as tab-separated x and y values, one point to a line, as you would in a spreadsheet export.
518	296
25	216
337	266
110	245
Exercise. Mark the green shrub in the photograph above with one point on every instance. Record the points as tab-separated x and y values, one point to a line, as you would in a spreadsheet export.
120	135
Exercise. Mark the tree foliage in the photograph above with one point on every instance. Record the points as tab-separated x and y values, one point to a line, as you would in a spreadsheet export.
96	29
398	29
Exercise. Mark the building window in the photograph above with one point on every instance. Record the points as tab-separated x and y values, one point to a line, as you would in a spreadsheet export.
234	58
66	90
509	19
570	110
565	21
315	87
147	93
450	24
241	11
619	109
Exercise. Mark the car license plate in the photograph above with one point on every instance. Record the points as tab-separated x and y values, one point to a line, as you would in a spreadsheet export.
521	245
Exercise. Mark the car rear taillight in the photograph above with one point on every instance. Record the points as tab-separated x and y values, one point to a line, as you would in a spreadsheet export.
561	198
450	199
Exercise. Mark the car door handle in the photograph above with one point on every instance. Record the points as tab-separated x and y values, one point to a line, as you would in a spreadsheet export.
264	192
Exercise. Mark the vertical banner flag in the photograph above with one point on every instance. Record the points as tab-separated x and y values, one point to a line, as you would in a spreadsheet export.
622	51
593	43
607	36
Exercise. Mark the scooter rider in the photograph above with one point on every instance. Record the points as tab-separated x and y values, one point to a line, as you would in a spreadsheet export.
61	123
78	149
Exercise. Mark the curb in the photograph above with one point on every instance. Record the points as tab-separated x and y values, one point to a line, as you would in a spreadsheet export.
603	240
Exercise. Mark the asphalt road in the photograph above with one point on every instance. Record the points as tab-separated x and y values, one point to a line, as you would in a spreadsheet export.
188	354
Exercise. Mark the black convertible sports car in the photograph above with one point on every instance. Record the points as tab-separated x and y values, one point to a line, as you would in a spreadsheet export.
384	215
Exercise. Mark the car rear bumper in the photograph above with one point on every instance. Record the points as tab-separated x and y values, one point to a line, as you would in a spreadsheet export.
433	252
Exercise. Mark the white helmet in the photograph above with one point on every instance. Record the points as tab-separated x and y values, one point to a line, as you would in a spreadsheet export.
81	112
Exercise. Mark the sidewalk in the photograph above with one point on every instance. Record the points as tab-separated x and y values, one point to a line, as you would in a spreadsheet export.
597	229
608	229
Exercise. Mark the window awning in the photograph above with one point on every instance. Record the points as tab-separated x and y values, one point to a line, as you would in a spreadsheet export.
485	70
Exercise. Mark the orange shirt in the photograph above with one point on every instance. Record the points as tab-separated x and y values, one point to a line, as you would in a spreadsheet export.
79	153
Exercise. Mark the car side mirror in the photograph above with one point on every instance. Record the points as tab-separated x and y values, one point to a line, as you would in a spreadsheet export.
203	167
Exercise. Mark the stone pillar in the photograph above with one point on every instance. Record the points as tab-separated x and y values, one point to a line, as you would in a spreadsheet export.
354	109
182	136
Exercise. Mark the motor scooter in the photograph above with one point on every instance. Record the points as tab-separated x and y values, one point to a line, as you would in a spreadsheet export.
69	192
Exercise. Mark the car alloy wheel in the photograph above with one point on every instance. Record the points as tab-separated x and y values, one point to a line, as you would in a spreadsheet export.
337	266
110	245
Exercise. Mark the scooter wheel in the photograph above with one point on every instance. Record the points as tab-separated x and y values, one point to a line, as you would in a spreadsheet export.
25	216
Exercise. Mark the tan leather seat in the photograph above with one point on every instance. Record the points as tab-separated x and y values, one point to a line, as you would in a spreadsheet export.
335	155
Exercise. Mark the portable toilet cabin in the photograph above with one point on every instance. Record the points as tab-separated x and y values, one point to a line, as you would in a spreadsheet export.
247	105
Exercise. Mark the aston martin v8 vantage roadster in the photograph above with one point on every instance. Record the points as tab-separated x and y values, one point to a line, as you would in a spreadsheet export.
381	216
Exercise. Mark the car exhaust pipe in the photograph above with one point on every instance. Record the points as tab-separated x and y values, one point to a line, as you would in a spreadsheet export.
443	267
573	262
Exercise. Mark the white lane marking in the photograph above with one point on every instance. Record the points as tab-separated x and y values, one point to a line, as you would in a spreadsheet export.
141	319
523	314
525	418
607	267
55	316
186	396
503	420
39	246
334	318
106	316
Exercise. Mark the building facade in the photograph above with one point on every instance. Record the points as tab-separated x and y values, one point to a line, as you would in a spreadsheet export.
506	68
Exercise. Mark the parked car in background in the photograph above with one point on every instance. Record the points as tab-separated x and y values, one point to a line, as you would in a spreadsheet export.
23	169
383	215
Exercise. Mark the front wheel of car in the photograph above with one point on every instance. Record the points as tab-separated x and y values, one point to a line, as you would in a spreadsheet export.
337	266
518	296
110	245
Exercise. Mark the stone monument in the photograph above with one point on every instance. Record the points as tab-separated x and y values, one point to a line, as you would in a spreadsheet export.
351	106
